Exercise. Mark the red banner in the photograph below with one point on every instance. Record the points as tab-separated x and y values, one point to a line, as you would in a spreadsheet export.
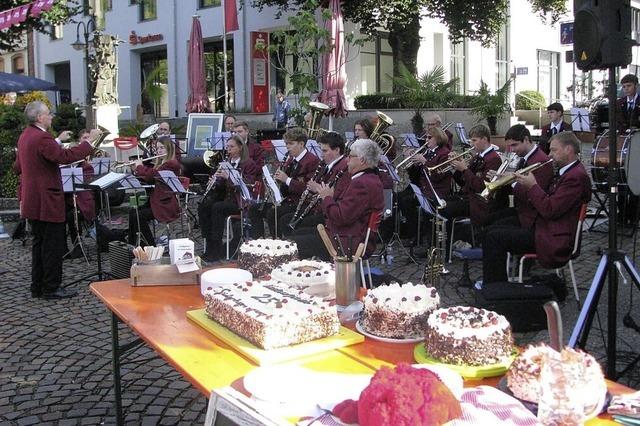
260	71
20	14
230	15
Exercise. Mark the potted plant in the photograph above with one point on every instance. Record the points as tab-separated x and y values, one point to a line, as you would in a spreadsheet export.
491	106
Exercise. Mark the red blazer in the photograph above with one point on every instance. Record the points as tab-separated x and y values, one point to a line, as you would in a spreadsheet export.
39	157
441	182
249	172
348	215
164	204
545	134
472	181
256	153
84	199
526	212
342	183
624	118
301	174
558	211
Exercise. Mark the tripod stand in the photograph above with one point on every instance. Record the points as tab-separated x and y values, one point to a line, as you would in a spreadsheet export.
395	238
610	263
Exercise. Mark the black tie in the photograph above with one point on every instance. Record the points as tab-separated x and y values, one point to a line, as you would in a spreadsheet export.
521	163
554	131
630	106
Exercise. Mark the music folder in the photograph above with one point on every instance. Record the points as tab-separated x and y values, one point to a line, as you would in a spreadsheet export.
107	180
236	180
410	140
101	166
392	170
277	196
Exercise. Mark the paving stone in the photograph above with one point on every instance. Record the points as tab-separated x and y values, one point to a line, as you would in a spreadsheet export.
31	420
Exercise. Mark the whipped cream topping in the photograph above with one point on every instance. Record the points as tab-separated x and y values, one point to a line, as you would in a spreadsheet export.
304	273
461	322
265	246
408	297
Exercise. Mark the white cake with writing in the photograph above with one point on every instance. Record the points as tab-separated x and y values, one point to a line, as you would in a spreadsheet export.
261	256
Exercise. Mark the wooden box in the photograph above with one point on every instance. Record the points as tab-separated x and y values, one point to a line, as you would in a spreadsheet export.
163	273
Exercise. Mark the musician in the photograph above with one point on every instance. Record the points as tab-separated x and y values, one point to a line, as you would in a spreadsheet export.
555	111
163	205
347	216
256	153
518	139
42	199
224	198
627	108
292	177
557	211
332	170
436	153
229	122
164	129
433	120
85	202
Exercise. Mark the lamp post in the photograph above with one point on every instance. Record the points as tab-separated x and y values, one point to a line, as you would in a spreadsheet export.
88	28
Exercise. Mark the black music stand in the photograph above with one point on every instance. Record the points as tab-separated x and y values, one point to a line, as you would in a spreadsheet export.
177	188
276	195
71	178
610	263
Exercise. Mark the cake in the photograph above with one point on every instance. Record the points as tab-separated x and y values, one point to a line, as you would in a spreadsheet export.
315	277
261	256
270	314
464	335
523	378
399	311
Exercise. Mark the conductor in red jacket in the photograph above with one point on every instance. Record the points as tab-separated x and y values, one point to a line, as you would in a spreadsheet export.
42	198
558	209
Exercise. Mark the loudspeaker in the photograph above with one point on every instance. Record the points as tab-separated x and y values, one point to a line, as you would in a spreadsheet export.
602	33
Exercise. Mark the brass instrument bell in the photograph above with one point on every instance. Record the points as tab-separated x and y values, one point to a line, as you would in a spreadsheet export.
317	110
384	141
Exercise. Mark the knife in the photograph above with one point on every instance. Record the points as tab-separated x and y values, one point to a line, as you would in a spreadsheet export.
554	324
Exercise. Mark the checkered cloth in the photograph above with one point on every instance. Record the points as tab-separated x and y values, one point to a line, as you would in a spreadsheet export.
485	405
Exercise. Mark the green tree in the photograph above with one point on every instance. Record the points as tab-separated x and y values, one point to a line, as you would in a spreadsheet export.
60	13
12	122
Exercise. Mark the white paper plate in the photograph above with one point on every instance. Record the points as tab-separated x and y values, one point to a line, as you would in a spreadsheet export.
363	331
223	276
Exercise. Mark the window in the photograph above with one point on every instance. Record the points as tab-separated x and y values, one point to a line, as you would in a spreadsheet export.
459	65
502	56
57	32
549	75
148	10
208	3
17	63
376	65
154	81
635	24
214	70
1	64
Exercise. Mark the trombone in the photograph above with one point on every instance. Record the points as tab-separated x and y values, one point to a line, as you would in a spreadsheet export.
408	161
493	186
446	166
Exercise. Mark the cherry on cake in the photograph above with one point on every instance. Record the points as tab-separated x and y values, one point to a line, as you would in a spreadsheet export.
262	255
399	311
465	335
270	314
315	277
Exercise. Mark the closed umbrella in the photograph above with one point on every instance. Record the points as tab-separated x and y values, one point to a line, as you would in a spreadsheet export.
334	74
23	83
198	100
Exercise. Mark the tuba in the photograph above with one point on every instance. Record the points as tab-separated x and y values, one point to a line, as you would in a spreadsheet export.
104	132
211	158
317	110
384	141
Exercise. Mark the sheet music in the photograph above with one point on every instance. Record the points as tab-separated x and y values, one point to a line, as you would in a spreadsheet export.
392	170
349	136
109	179
314	147
101	166
71	176
129	181
277	196
462	134
410	140
424	203
280	147
580	120
218	140
171	180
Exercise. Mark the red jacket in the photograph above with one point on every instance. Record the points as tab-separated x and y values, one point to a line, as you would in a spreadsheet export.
256	153
39	157
627	119
545	134
558	211
473	181
526	212
300	174
164	203
441	182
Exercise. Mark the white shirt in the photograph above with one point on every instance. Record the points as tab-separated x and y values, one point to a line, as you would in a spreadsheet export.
567	167
357	175
333	163
486	151
298	159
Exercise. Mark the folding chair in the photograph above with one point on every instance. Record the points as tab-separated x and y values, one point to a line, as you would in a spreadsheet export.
374	222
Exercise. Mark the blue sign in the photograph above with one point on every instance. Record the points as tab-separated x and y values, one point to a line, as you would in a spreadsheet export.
566	33
522	70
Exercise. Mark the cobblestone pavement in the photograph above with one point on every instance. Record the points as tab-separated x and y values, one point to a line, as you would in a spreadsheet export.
55	359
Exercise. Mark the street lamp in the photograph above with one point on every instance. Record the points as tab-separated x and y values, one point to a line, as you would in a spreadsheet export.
88	29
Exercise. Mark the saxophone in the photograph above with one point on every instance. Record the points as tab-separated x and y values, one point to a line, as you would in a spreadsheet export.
435	266
303	198
314	201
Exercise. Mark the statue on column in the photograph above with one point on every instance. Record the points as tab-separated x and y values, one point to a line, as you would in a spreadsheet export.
104	69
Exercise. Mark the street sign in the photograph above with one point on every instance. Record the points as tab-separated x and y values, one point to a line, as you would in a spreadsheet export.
522	71
566	33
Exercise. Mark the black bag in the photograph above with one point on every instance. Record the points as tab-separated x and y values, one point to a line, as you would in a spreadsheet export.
522	304
553	282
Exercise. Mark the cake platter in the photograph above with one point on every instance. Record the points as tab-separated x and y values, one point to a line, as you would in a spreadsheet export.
360	328
469	371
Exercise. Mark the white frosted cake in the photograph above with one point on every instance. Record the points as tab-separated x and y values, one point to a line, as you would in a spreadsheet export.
464	335
399	311
262	255
271	315
315	277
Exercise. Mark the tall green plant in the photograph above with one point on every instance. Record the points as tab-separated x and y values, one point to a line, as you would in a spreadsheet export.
12	122
491	107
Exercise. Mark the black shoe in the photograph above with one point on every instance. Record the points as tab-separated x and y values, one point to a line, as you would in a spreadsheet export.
36	294
60	293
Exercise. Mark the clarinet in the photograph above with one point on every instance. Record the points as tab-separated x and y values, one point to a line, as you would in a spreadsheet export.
314	202
212	182
305	193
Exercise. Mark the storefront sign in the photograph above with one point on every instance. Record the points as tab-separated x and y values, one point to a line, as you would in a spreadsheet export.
566	33
136	39
260	71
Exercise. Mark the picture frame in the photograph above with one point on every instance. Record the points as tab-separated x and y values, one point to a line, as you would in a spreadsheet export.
200	127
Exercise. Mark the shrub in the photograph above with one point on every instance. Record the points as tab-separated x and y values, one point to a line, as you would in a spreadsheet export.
377	101
11	125
24	98
533	100
68	118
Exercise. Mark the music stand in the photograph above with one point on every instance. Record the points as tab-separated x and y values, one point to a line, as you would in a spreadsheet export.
174	183
580	120
71	177
275	191
280	148
462	134
313	147
410	140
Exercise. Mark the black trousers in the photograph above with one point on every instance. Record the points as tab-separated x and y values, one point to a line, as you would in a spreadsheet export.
408	205
260	212
212	216
309	222
46	255
500	239
310	244
145	215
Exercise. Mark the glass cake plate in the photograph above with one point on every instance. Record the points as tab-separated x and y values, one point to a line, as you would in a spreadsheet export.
363	331
469	371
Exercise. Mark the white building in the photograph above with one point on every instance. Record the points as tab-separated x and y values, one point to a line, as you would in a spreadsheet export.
157	33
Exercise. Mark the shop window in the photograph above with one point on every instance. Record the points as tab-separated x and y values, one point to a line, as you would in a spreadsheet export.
154	77
376	66
17	64
459	65
549	75
502	56
148	10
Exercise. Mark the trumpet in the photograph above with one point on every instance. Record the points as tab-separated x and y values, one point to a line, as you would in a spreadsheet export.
446	166
120	164
491	187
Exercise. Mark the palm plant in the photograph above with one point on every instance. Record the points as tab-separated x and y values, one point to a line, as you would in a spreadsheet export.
491	106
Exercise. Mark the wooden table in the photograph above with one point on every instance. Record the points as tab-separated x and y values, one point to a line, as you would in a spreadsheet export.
158	316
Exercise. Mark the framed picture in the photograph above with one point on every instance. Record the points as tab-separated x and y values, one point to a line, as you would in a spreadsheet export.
200	131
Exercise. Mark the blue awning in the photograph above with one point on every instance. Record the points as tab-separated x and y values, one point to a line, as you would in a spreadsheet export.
23	83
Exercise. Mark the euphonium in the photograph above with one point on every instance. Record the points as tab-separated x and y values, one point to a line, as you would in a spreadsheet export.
104	132
446	166
491	187
317	109
211	158
505	167
384	141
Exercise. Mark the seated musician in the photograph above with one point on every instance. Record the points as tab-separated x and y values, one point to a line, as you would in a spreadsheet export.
333	172
85	202
437	153
256	153
471	177
229	122
164	205
555	111
557	211
347	215
627	108
518	140
224	199
433	120
296	170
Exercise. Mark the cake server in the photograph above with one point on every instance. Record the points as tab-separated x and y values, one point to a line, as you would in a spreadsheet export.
554	324
326	240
